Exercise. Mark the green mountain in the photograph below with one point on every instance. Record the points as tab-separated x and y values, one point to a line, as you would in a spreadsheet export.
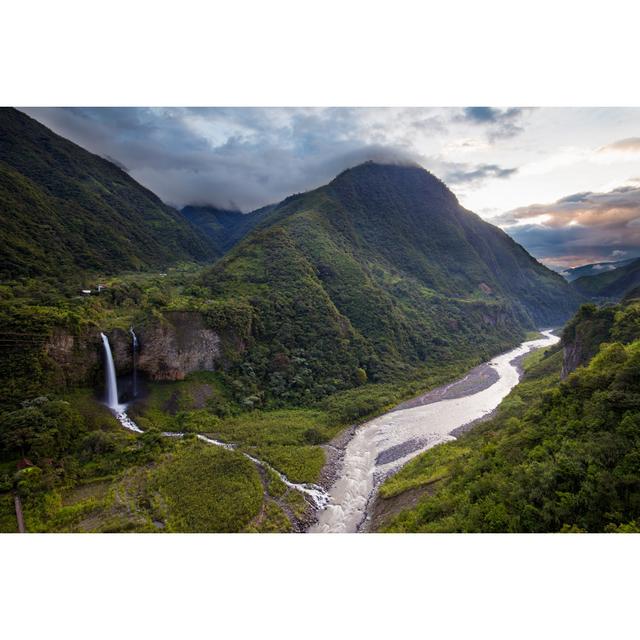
377	272
593	269
558	456
63	209
610	284
223	227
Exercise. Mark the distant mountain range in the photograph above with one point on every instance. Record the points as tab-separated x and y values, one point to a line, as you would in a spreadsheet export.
65	210
222	227
593	269
610	284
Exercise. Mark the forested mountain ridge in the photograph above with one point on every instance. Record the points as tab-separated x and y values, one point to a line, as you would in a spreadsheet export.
448	247
593	269
380	271
613	284
223	227
64	210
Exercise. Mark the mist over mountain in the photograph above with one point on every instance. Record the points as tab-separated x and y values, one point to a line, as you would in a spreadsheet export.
593	269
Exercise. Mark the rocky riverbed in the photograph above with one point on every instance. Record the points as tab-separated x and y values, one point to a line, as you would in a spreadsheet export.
363	456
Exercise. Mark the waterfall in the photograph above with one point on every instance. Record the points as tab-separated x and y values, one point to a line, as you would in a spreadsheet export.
134	349
111	383
317	494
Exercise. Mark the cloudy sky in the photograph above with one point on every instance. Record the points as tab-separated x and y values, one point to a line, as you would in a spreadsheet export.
563	182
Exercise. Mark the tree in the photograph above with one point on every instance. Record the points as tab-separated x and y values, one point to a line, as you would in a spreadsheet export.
43	428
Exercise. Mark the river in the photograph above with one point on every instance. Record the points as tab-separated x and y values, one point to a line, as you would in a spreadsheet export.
383	445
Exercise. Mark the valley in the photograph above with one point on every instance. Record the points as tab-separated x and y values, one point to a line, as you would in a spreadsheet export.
381	447
314	365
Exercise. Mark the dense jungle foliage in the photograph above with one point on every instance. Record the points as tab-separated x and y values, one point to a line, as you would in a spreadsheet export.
334	306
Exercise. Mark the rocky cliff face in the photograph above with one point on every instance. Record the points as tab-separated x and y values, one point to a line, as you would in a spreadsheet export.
170	347
178	345
572	356
583	335
73	359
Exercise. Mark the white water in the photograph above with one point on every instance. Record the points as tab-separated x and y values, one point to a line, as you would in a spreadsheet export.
110	381
134	357
111	384
411	431
318	496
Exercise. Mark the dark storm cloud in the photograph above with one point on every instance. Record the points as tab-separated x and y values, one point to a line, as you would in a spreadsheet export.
248	156
469	174
580	228
500	123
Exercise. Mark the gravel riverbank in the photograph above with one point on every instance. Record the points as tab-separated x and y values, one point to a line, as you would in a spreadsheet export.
361	457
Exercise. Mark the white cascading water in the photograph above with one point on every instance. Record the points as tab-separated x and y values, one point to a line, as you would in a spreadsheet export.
134	351
318	496
111	383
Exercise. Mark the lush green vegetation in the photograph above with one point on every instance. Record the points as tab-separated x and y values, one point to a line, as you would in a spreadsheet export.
194	487
338	304
559	456
223	227
204	488
64	210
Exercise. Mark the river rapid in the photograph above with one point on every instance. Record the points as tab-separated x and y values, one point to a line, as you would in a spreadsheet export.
383	445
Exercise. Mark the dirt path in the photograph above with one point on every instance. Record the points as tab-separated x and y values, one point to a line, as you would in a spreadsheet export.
19	518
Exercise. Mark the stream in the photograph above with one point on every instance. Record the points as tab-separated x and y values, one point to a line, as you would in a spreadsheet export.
383	445
313	493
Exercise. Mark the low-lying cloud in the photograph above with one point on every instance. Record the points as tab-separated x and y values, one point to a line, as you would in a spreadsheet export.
476	174
249	157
